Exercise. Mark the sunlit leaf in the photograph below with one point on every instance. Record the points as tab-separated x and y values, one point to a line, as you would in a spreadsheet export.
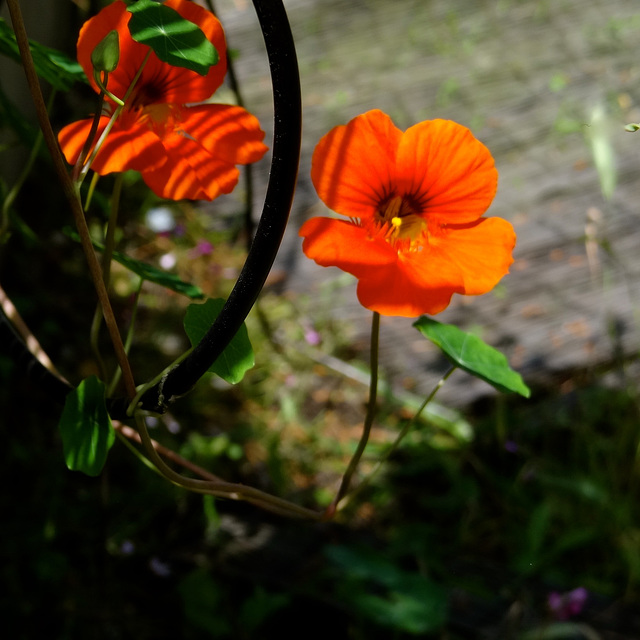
237	358
164	279
149	272
51	65
87	432
473	355
174	39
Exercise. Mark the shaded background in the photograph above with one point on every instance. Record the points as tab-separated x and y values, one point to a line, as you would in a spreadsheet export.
485	512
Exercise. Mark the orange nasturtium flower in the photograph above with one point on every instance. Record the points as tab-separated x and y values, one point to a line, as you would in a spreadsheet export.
415	200
181	151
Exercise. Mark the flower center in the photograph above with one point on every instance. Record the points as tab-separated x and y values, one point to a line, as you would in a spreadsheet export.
146	94
402	224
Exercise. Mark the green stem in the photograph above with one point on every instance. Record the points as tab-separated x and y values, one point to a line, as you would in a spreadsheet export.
128	340
397	441
133	405
107	254
222	489
15	190
102	85
145	461
368	421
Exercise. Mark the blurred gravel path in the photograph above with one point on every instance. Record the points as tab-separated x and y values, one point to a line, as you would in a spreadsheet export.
543	84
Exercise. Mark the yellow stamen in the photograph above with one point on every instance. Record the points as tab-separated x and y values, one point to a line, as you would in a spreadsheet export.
400	224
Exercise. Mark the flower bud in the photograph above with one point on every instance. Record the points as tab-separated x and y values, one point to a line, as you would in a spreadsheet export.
107	53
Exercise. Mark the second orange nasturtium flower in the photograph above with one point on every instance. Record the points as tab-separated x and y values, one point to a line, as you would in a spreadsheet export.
181	151
415	200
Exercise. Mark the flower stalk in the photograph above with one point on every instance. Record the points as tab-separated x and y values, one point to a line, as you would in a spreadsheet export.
369	418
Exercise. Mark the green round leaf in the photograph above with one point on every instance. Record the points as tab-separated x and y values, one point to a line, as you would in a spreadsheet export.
87	432
473	355
174	39
237	358
148	272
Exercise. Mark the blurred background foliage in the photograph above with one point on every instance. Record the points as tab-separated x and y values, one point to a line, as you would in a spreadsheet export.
487	519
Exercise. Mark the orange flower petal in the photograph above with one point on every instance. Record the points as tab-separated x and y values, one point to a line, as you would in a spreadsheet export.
159	82
202	149
480	251
448	169
190	172
229	133
129	145
401	292
339	243
353	166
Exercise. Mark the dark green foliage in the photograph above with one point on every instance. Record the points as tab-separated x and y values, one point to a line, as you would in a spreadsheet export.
51	65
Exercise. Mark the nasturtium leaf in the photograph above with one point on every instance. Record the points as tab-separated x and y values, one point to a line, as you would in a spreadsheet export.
51	65
87	432
174	39
164	279
473	355
149	272
237	358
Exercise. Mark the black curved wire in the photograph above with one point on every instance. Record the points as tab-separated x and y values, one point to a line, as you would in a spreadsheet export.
287	103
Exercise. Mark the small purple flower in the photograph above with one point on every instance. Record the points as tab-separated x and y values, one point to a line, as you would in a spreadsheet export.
203	248
159	567
312	337
127	548
569	604
511	446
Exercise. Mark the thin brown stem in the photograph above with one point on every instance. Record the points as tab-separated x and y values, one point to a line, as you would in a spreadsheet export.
169	454
71	192
221	488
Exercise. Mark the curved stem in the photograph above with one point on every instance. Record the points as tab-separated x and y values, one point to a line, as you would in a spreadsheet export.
221	488
102	85
368	421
